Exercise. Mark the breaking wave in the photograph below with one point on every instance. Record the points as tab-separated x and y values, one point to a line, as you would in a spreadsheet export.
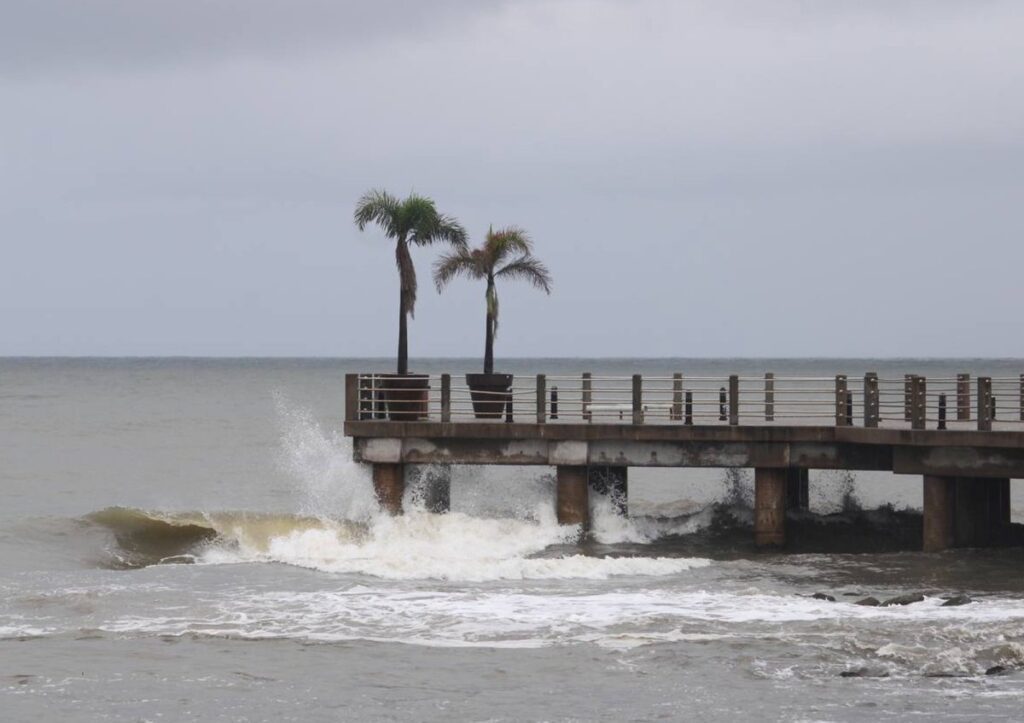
418	545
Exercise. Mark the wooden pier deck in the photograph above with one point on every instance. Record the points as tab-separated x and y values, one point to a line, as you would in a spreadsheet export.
965	439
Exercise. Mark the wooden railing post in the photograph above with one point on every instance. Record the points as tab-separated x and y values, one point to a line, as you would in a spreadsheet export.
919	403
677	395
871	399
1022	397
942	411
840	400
588	396
963	397
688	411
638	406
734	399
352	398
554	403
769	397
446	398
908	392
380	406
985	404
542	399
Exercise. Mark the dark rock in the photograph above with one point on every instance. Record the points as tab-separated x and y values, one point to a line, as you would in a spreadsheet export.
864	673
823	596
852	594
956	600
869	601
995	670
914	597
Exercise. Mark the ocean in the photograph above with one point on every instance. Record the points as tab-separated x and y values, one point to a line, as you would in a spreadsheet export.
189	539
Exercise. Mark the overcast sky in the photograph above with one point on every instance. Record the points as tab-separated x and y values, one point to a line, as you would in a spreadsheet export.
703	178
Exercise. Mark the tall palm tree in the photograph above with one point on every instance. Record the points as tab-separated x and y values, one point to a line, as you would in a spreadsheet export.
410	221
505	254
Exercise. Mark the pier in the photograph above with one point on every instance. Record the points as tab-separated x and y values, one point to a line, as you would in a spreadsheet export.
963	435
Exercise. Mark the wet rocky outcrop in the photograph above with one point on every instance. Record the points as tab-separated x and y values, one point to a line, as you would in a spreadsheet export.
956	600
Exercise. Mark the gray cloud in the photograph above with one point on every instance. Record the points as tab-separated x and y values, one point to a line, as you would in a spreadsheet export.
703	178
55	36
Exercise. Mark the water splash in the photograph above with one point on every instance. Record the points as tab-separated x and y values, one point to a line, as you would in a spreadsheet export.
327	481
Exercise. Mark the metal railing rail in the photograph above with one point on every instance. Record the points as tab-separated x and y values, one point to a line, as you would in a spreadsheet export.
914	401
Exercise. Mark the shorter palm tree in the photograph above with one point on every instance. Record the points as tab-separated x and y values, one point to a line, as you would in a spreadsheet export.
505	254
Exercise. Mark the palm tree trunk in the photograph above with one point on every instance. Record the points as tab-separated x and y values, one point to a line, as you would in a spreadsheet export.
489	346
403	334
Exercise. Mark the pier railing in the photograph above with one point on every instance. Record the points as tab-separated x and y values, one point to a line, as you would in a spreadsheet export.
911	401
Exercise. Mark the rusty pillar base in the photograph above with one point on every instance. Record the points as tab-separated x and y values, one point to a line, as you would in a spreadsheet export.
797	489
389	486
611	481
938	513
769	507
572	504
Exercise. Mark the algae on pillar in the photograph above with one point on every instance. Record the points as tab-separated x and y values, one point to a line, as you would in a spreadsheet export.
769	506
572	503
939	496
389	486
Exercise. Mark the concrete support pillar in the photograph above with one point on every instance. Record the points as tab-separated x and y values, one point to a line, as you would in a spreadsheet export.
982	511
970	512
389	485
612	481
995	512
965	512
797	489
939	505
572	504
770	506
1004	511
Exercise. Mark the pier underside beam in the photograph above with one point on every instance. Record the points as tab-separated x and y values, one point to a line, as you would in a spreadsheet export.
797	488
612	481
770	506
389	486
572	504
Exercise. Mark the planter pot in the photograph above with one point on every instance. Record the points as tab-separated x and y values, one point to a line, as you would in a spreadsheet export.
405	396
491	393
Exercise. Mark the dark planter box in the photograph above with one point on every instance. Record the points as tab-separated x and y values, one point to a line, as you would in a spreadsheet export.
406	396
491	393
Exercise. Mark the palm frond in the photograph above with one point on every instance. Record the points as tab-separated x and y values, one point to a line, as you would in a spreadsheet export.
458	263
429	228
416	212
527	268
380	207
506	242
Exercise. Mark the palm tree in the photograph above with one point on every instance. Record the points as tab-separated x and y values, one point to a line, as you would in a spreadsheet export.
505	254
412	221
